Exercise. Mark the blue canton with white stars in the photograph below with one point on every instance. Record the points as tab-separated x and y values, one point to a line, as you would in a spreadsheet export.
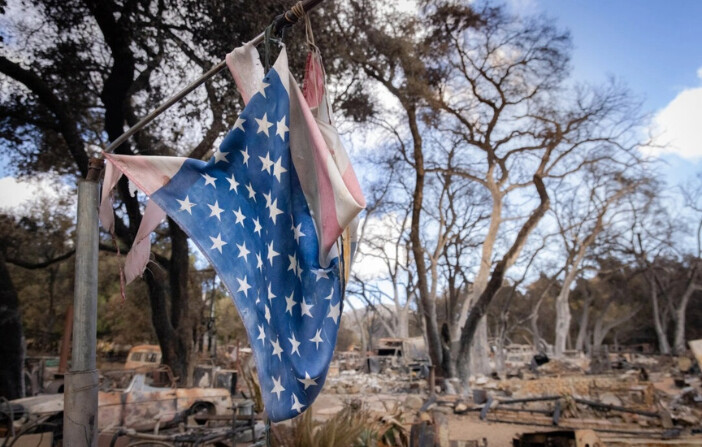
247	213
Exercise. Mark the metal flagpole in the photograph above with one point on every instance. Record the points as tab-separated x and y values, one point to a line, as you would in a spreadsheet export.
284	20
80	416
80	398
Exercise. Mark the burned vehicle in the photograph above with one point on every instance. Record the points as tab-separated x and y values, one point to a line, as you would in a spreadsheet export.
407	353
126	399
143	357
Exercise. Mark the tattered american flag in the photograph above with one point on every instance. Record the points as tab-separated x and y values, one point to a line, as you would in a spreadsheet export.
267	211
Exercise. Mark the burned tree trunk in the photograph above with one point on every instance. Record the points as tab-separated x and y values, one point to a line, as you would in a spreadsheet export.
663	344
428	303
496	278
679	343
479	349
584	322
172	321
11	348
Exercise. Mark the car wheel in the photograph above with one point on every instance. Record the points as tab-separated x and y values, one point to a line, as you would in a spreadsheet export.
200	411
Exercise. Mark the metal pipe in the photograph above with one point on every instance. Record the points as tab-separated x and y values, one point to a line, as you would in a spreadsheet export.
529	399
524	410
81	383
602	406
486	408
282	21
556	413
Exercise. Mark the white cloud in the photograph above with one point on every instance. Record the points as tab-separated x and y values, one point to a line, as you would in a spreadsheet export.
678	126
18	196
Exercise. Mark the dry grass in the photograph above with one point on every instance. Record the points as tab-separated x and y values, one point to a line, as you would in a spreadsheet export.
351	427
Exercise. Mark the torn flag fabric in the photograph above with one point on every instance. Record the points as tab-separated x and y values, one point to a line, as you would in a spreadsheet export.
267	211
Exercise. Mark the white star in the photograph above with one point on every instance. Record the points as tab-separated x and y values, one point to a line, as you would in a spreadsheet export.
244	286
317	339
293	262
267	314
267	163
233	184
258	298
290	302
245	154
299	269
281	128
217	242
257	226
298	232
296	404
271	253
268	198
334	312
278	169
308	381
295	345
277	387
306	308
252	193
321	273
243	252
263	124
271	295
331	294
239	217
259	262
274	210
186	205
262	88
220	156
215	210
209	180
277	350
261	334
240	124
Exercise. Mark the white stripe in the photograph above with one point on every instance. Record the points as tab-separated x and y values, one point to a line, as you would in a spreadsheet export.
344	203
245	66
281	67
150	173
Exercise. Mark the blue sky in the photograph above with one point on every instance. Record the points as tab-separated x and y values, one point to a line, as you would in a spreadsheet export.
654	47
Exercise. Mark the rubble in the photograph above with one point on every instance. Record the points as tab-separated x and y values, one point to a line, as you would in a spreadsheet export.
392	381
637	394
652	398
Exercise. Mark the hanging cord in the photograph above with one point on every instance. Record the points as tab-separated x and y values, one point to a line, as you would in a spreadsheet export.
297	10
309	35
289	18
314	52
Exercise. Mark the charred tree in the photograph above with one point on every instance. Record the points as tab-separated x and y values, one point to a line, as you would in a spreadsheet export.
11	348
